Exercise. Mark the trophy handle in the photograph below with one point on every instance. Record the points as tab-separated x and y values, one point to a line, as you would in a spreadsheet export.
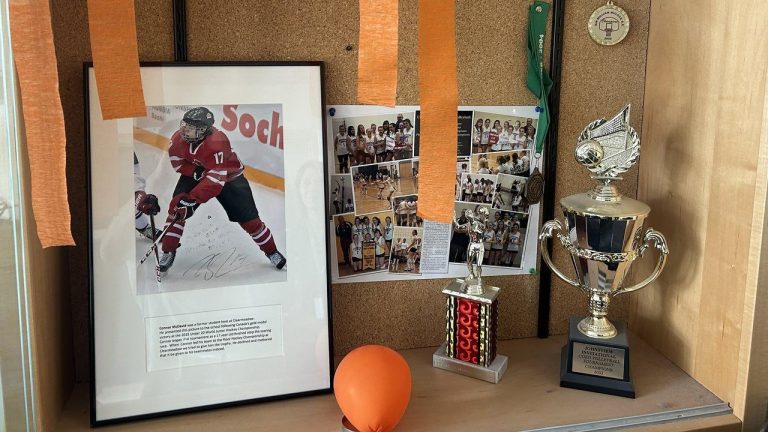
546	233
660	244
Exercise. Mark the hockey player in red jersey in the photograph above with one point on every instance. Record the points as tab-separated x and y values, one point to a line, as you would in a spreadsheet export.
209	169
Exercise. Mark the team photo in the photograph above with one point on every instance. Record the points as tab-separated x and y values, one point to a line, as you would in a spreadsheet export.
459	235
503	238
509	162
372	139
341	195
462	167
209	198
405	209
511	193
505	234
376	185
363	242
406	250
477	188
498	132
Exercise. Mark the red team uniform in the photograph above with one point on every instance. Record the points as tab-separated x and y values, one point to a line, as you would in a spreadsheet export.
210	169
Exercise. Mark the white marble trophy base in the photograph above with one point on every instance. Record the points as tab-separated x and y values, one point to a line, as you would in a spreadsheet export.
492	373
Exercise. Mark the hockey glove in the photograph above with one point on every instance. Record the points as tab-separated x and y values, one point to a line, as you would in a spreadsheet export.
147	203
185	206
199	173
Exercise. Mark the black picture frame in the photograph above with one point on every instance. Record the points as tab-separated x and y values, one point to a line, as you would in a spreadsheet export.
87	67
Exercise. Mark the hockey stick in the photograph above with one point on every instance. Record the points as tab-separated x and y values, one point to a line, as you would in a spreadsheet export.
157	255
158	240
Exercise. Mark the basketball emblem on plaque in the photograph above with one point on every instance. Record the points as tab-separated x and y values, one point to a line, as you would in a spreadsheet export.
608	24
471	316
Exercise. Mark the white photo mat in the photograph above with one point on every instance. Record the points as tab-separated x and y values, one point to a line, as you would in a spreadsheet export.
296	309
529	252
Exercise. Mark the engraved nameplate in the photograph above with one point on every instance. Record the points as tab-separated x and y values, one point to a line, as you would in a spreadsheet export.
598	360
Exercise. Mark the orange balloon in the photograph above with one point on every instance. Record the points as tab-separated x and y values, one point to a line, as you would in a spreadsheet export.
373	387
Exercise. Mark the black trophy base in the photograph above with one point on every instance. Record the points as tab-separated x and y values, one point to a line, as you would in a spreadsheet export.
596	365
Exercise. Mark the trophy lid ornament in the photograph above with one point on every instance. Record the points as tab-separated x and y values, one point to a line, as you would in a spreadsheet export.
607	148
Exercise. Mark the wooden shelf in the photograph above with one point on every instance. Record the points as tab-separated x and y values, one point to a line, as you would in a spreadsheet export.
528	397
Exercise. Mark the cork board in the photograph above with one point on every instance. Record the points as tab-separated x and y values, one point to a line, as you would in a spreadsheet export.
491	71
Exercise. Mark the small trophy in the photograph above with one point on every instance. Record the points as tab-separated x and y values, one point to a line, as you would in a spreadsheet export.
603	232
472	314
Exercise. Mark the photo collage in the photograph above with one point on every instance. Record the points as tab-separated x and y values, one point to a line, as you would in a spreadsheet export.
374	189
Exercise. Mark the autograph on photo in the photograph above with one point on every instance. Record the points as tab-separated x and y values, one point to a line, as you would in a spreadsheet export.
216	265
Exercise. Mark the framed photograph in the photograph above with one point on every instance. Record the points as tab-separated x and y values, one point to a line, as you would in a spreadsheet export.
208	231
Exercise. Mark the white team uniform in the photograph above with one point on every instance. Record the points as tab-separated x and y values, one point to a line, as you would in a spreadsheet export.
359	231
517	200
356	249
389	141
467	190
407	136
504	141
403	247
514	242
341	144
402	209
367	229
514	139
139	183
380	144
525	164
370	142
497	145
380	246
488	237
497	239
488	192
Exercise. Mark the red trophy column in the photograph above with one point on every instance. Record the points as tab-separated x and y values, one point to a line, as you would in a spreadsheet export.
471	322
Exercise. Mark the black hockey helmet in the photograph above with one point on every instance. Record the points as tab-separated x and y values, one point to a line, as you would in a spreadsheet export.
196	124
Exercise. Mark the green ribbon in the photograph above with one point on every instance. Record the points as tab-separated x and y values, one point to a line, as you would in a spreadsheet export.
539	82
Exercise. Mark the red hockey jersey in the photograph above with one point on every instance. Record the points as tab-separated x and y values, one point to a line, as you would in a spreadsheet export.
214	154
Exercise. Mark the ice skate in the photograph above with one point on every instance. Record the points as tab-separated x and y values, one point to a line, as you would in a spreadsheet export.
278	260
166	261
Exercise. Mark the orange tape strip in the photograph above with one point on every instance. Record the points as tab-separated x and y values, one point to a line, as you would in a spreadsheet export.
439	103
377	53
35	58
112	25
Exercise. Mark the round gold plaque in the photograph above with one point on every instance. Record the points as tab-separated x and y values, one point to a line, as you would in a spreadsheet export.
608	24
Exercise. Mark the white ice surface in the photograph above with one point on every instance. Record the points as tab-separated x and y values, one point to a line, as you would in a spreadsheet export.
214	252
